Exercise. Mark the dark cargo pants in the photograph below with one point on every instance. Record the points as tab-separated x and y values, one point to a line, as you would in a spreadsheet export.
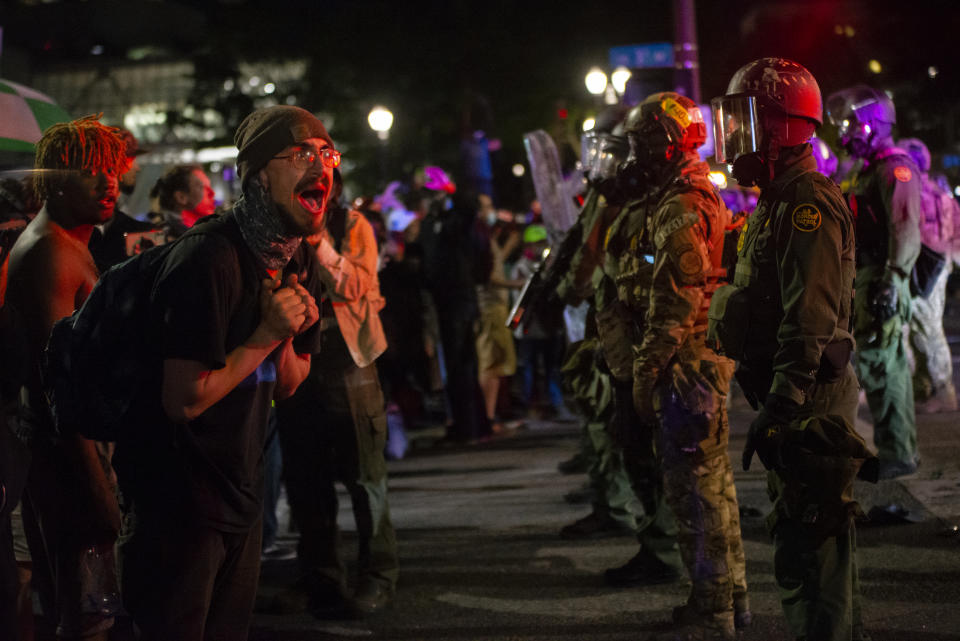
334	429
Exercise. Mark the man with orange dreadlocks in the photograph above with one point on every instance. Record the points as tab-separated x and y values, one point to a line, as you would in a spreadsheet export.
69	496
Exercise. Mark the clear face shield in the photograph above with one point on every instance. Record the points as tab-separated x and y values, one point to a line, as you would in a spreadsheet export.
857	115
611	152
736	126
589	150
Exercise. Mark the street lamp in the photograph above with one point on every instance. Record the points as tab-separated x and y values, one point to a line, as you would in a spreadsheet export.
596	81
619	79
380	120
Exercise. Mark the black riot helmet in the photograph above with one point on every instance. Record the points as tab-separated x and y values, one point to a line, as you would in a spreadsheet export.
603	148
660	130
770	103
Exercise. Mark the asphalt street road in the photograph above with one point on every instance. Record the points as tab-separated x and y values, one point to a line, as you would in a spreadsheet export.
481	558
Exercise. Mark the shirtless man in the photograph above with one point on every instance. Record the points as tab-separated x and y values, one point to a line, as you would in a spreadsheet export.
69	493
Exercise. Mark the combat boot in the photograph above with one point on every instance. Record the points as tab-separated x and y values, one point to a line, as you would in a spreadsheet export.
714	627
582	494
596	525
943	399
742	616
576	464
892	469
642	569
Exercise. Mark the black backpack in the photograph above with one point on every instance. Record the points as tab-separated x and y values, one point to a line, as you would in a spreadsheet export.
99	359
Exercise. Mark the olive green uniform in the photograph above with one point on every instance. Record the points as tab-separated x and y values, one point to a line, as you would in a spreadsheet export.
589	381
593	391
668	247
886	196
593	275
786	320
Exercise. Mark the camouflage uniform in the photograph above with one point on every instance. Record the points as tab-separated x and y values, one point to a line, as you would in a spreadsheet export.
933	374
885	197
786	320
667	248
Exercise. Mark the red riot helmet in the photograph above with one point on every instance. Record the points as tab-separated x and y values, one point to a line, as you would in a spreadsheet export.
770	103
660	130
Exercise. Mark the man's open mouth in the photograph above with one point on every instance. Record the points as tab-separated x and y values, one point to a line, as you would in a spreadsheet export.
312	199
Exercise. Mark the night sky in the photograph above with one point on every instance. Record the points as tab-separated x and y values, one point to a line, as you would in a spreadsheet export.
504	66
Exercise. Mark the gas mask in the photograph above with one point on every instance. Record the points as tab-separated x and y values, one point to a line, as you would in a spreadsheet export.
611	152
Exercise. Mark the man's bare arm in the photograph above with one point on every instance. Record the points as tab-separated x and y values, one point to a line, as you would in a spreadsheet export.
190	387
292	369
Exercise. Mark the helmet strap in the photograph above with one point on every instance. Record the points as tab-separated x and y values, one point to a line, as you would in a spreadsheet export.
772	155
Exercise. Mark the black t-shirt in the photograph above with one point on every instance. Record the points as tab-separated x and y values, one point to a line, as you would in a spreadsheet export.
206	300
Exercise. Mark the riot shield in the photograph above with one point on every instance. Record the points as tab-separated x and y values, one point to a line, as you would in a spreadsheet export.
555	193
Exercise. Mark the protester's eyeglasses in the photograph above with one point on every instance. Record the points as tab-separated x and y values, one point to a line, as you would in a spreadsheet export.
306	157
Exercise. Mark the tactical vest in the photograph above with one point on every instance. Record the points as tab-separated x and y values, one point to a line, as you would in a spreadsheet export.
746	316
623	294
756	275
869	211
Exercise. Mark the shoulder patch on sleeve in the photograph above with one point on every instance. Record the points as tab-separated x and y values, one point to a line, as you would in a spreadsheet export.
903	173
690	262
673	225
806	217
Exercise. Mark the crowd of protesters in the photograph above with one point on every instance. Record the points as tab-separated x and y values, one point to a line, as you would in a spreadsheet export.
420	283
407	296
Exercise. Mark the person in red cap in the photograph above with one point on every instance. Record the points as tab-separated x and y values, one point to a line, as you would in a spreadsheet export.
235	322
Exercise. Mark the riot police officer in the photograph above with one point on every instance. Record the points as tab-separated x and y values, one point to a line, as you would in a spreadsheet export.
786	320
615	508
885	195
593	274
933	388
666	246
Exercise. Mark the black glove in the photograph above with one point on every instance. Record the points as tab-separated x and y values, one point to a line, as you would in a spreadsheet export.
884	297
768	431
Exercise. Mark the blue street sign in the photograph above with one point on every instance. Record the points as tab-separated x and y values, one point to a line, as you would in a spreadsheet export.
651	55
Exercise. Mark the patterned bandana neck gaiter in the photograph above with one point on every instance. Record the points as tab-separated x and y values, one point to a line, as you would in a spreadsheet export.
263	227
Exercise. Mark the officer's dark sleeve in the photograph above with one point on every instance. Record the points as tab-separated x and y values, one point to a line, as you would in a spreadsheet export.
809	237
594	219
680	266
901	189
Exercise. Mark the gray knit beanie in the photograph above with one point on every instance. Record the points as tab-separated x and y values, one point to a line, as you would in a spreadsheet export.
266	132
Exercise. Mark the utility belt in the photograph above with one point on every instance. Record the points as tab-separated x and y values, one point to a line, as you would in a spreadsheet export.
755	376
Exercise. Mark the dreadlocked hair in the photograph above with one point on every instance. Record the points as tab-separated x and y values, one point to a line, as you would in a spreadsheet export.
82	144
